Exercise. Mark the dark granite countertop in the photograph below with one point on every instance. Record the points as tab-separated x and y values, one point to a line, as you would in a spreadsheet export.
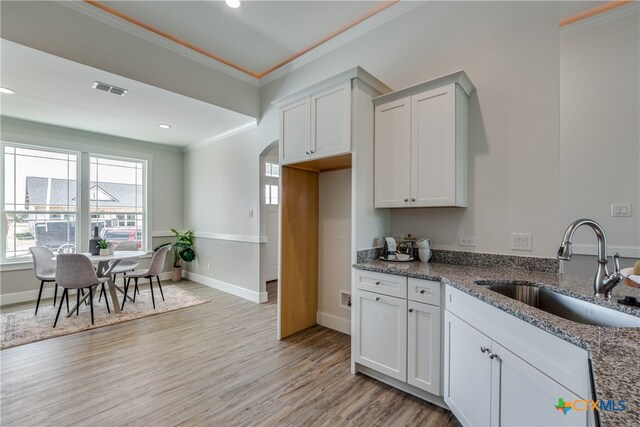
614	352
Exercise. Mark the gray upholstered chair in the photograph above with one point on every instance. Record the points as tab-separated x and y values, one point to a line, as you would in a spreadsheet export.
44	268
154	270
75	271
125	265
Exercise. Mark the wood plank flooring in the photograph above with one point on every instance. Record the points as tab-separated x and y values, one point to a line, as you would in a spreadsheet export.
215	364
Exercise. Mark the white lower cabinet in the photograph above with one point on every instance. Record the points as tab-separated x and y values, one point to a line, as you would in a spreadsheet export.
467	372
381	338
394	336
423	347
485	383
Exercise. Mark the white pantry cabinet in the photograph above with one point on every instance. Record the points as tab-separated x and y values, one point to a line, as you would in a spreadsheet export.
502	372
396	336
421	144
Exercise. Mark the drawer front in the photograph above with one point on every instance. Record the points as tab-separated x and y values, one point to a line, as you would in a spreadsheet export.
385	284
425	291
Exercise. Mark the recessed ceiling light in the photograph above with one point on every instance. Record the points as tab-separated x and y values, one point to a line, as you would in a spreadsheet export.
7	91
233	3
164	126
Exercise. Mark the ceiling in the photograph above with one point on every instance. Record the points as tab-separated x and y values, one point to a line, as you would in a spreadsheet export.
255	39
56	91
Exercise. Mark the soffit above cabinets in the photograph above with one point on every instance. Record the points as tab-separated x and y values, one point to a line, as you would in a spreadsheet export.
56	91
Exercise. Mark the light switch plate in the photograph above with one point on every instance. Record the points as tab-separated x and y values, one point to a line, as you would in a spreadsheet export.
620	209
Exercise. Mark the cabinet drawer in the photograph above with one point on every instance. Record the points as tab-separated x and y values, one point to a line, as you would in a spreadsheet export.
425	291
385	284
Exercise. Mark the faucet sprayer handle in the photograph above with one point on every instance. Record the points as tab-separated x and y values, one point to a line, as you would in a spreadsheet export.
616	263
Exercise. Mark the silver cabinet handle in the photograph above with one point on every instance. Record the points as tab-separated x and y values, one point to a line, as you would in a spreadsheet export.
307	152
377	298
377	282
413	199
422	291
406	200
312	151
493	355
484	349
411	310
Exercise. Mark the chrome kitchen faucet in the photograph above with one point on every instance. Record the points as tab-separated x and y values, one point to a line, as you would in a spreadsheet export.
604	282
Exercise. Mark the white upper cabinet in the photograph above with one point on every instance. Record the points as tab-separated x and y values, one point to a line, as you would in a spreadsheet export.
393	153
421	144
331	122
317	121
295	130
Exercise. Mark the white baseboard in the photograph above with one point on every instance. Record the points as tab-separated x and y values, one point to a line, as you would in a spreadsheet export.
47	292
334	322
229	288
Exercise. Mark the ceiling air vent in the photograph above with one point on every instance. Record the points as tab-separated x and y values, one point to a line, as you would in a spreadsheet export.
104	87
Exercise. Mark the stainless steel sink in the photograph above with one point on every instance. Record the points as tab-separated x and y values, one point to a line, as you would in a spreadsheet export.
563	306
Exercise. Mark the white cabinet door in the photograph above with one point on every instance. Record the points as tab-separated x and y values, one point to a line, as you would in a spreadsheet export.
423	347
393	154
331	122
295	133
433	147
467	370
528	397
381	333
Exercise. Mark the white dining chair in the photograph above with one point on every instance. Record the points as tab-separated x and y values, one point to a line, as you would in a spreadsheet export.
44	268
154	270
75	271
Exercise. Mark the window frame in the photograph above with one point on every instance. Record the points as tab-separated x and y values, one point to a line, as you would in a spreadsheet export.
83	208
146	222
4	212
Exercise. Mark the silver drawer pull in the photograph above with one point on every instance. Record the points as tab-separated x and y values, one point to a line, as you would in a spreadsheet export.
377	298
411	310
484	349
377	282
493	355
422	291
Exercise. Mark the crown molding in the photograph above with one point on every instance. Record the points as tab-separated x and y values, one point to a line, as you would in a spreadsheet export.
601	19
114	21
348	35
352	33
221	136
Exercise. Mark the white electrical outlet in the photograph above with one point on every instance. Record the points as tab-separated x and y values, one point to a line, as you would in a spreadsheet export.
620	209
340	235
521	241
251	213
467	240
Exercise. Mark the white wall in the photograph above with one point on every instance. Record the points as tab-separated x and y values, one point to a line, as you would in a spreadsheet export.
222	185
600	131
165	168
334	248
510	52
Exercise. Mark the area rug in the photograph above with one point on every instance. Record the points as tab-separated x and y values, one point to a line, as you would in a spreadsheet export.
22	327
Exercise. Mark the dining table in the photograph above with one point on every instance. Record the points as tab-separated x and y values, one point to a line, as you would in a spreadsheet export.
104	267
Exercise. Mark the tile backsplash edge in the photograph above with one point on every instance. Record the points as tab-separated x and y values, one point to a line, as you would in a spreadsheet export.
549	265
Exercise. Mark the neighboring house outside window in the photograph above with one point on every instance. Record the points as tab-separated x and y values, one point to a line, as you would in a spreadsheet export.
41	205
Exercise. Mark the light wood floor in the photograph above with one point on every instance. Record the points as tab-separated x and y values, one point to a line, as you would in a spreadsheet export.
215	364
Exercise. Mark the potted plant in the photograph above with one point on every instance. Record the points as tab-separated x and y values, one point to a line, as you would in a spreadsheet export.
104	247
182	250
